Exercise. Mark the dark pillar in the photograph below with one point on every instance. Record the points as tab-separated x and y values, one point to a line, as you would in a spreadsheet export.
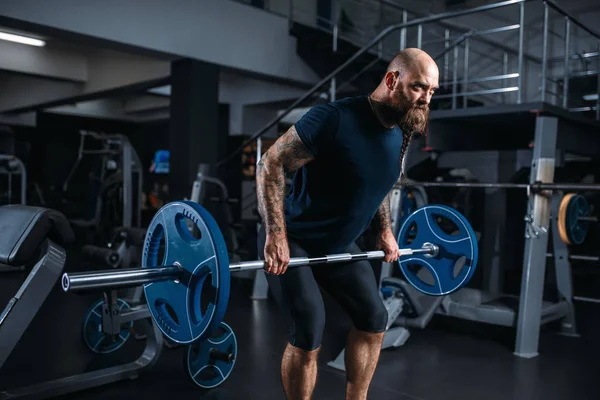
194	126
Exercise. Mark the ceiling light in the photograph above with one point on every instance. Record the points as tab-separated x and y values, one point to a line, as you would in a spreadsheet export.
21	39
590	97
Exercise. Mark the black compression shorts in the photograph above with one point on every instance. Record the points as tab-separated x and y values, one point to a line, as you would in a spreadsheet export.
352	284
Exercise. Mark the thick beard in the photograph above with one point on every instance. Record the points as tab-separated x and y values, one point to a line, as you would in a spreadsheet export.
414	120
411	118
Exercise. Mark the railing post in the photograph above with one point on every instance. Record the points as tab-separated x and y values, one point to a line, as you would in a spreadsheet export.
332	84
520	59
403	30
544	52
419	35
454	77
504	72
565	99
446	55
598	84
465	73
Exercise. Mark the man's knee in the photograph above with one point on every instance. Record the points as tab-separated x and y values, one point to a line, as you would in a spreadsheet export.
374	318
308	324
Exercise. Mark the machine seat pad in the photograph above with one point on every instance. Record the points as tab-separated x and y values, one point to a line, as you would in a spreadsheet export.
24	228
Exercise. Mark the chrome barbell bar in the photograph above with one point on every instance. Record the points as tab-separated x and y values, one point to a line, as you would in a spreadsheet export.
115	279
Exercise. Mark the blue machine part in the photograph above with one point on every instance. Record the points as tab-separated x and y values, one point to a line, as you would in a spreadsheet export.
454	264
161	162
190	309
204	368
93	335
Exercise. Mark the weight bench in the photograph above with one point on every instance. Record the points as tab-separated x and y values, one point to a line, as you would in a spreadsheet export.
34	235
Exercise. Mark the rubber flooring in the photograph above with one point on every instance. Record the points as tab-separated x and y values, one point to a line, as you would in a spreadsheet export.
450	359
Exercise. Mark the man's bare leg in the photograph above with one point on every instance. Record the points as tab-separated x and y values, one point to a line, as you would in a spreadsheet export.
299	372
361	356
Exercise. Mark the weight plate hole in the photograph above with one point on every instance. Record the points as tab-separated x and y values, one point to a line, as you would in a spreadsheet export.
187	228
204	294
422	273
167	310
447	225
412	233
459	265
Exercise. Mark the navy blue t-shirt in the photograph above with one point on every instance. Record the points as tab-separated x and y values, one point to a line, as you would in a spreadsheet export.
333	198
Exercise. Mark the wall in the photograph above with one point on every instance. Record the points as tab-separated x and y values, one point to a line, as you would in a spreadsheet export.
217	31
256	117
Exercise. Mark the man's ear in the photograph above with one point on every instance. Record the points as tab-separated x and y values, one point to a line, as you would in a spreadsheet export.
390	79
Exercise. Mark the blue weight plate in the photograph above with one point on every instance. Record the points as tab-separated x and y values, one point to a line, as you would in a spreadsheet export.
206	371
192	307
93	334
577	229
431	224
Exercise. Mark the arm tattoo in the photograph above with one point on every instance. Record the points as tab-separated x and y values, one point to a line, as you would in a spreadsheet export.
286	155
383	216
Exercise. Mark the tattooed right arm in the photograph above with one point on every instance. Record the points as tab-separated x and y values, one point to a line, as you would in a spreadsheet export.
287	154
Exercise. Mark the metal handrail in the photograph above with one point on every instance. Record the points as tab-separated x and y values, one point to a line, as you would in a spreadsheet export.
562	11
355	56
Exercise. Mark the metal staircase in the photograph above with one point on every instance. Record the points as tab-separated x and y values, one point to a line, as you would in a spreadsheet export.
495	63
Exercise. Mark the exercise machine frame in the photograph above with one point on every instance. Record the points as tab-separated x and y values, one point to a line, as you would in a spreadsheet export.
22	308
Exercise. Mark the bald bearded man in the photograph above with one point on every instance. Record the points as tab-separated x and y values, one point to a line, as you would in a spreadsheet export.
346	157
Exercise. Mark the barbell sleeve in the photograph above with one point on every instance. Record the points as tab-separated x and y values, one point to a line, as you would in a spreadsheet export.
115	279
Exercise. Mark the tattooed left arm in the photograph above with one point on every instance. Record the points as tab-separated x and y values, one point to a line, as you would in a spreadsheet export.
385	237
383	216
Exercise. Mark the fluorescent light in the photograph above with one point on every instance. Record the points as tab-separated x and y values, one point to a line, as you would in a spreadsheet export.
21	39
590	97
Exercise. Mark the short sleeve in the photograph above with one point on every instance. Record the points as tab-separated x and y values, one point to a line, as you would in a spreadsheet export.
318	127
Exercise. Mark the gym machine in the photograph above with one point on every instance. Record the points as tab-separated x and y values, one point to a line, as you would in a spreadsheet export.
199	195
494	307
122	251
11	165
120	162
37	236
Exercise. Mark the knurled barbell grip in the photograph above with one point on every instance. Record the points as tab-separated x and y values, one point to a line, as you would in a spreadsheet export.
333	258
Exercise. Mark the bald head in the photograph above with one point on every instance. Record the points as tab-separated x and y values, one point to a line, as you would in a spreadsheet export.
411	59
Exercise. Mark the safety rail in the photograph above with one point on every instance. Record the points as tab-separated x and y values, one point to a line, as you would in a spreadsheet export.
458	70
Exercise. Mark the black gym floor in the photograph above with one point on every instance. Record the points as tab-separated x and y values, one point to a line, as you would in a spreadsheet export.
450	359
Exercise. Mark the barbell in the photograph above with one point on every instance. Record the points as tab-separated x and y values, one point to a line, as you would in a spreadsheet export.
186	272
